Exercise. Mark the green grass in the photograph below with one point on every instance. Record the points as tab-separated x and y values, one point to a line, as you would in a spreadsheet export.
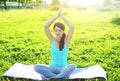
95	41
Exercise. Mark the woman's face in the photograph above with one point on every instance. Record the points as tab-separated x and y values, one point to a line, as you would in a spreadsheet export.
58	32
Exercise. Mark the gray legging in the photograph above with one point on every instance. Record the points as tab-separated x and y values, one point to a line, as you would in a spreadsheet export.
54	71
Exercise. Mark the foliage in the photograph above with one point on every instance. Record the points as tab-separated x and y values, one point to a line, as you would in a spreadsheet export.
95	40
116	20
106	2
55	7
117	0
55	4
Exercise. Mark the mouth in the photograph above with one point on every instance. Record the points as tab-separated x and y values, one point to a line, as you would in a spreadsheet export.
58	34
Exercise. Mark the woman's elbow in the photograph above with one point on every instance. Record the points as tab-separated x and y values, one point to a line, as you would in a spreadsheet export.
72	27
46	25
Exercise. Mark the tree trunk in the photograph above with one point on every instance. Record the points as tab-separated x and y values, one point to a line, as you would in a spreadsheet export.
18	3
5	7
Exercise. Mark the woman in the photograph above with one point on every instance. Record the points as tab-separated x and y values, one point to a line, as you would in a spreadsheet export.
59	67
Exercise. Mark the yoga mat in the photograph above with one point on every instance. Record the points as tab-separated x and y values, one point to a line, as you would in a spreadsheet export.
19	70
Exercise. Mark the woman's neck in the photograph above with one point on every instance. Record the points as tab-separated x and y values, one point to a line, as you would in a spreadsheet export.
58	39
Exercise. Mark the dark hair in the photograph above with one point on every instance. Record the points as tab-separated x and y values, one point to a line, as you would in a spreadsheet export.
61	26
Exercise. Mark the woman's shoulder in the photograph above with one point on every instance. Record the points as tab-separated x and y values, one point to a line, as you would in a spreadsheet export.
52	41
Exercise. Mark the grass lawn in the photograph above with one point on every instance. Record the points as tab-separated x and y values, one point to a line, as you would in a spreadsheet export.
95	41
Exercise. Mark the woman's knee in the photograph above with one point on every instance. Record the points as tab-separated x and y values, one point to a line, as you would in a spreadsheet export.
37	68
72	66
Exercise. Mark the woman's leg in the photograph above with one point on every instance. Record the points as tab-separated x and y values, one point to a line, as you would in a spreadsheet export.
66	72
44	70
56	69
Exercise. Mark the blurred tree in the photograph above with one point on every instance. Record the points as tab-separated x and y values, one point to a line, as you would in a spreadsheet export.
0	1
19	3
36	3
65	4
25	2
55	2
5	7
39	1
106	2
117	0
12	0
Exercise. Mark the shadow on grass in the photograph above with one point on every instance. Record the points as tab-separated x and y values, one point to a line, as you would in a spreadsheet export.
116	20
5	78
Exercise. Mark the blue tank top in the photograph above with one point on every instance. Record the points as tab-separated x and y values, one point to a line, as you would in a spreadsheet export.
59	58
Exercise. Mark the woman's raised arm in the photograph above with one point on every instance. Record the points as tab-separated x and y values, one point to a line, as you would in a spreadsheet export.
47	30
70	25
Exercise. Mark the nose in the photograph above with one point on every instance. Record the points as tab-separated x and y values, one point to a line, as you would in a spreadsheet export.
57	32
